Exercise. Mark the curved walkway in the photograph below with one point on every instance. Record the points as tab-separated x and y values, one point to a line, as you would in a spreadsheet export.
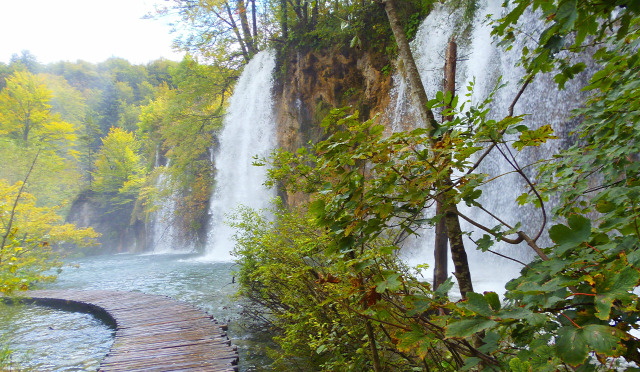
153	333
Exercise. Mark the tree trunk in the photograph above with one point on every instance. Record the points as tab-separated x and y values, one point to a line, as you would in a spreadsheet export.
254	19
314	15
458	253
25	132
246	31
237	32
418	94
284	22
450	73
305	14
375	358
440	249
420	99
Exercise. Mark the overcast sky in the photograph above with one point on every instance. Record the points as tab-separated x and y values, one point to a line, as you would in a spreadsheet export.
91	30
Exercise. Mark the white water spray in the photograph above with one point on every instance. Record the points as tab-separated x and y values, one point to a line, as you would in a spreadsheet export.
249	130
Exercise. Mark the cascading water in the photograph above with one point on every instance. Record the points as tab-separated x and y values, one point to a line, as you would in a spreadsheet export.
249	130
164	234
479	60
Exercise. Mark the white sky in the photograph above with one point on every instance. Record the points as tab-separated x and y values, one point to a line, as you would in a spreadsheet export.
91	30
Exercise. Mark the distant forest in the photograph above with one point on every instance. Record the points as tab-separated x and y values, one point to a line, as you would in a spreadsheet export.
100	131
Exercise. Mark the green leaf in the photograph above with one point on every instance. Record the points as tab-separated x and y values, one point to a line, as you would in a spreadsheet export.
484	243
516	365
415	340
493	300
444	288
477	303
391	282
567	14
576	233
571	345
534	137
603	339
470	363
615	287
467	327
490	342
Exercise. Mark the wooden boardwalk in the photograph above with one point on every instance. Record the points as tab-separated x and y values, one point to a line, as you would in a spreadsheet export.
153	333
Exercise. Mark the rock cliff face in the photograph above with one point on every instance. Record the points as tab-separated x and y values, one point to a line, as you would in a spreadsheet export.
312	83
118	234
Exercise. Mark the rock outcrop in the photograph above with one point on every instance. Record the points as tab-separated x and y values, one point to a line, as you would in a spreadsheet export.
314	82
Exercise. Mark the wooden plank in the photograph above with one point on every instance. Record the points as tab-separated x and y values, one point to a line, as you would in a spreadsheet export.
153	333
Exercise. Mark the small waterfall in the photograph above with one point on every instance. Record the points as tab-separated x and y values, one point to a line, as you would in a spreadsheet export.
249	130
164	234
480	60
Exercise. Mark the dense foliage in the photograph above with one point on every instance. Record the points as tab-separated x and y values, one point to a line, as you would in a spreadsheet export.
328	273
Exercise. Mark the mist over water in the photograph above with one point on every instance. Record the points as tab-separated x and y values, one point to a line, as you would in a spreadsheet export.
249	131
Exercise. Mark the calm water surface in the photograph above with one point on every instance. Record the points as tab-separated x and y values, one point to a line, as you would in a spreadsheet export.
45	339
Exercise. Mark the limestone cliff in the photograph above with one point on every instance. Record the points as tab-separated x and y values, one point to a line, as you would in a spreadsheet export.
112	222
311	83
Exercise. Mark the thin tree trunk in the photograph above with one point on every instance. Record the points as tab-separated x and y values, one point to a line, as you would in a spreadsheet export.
244	22
440	249
420	99
314	15
237	32
377	367
25	132
450	72
458	253
254	19
284	20
418	94
305	13
440	252
15	204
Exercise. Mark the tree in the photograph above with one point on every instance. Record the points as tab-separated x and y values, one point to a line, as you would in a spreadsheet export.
27	61
29	126
26	112
29	236
119	171
217	29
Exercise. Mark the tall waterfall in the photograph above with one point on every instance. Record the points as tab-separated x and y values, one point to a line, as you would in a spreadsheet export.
249	130
480	60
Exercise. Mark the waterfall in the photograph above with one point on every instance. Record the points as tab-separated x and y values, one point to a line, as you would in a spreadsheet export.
480	60
249	130
164	234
